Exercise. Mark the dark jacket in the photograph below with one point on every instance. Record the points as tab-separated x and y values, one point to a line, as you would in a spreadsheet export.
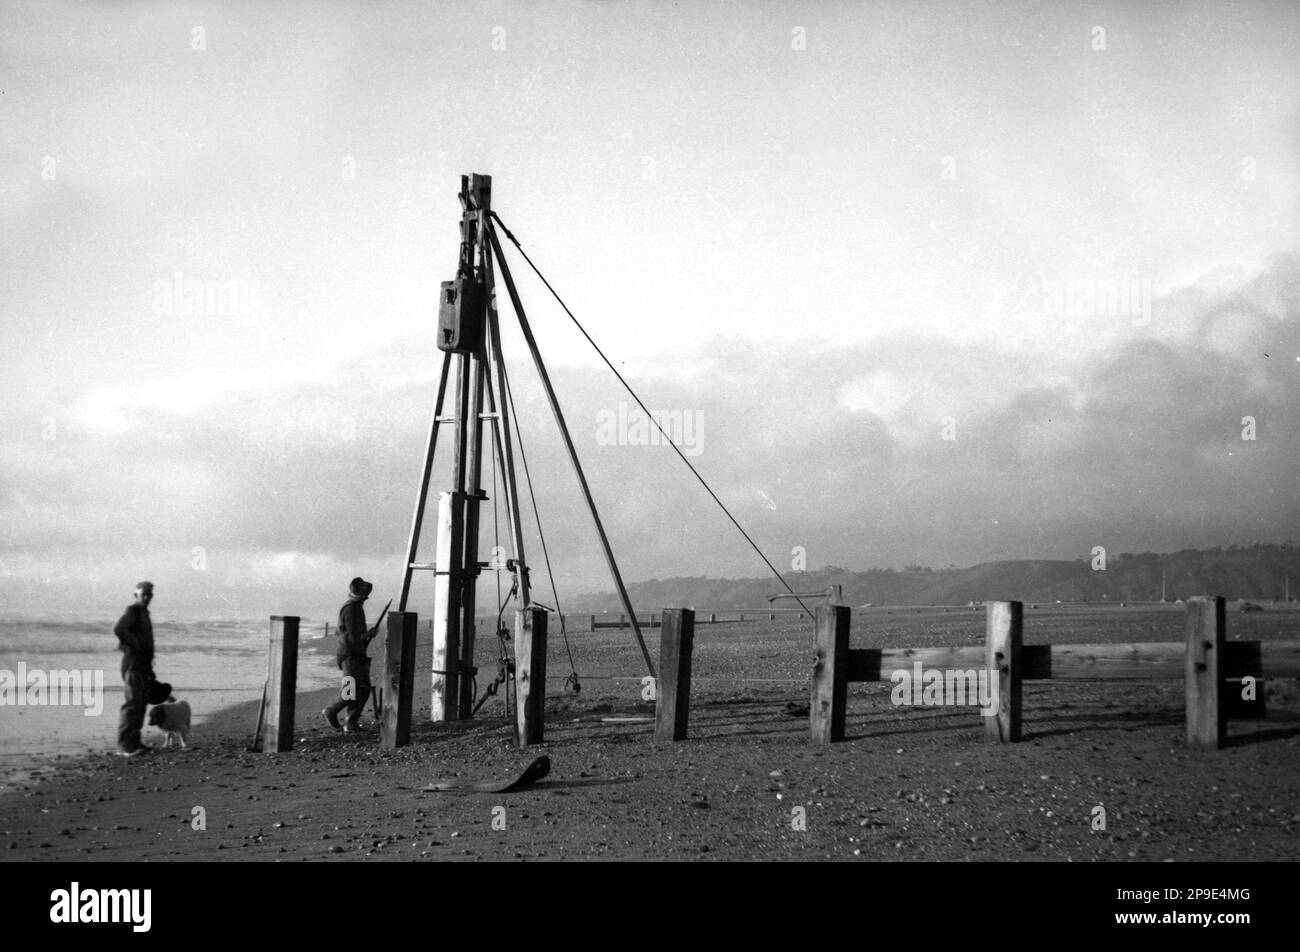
352	630
135	637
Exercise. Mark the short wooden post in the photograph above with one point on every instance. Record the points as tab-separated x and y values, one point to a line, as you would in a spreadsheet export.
281	685
1207	722
713	616
1003	642
591	624
673	700
399	680
830	680
530	675
1242	659
771	616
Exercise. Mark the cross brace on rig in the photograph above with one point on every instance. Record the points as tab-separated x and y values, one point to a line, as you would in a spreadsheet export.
469	336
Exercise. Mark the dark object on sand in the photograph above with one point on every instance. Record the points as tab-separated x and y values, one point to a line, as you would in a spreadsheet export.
795	709
1249	607
535	771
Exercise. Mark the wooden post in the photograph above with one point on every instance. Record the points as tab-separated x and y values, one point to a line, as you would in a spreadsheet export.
498	403
1242	659
399	680
530	675
713	616
771	616
469	540
591	624
446	618
1207	723
1003	642
830	680
673	700
281	684
568	444
430	447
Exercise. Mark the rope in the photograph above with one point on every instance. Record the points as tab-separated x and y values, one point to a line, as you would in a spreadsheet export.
510	399
496	532
649	415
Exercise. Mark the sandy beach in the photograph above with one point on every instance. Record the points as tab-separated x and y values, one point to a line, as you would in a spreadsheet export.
909	783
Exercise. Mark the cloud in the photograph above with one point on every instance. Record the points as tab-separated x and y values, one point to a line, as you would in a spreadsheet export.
840	449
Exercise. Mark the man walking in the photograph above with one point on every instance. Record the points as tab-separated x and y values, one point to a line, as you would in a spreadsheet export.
351	657
135	637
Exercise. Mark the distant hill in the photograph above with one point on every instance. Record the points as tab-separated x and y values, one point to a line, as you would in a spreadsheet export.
1256	572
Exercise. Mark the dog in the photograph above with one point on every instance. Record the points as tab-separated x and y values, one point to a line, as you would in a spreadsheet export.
174	719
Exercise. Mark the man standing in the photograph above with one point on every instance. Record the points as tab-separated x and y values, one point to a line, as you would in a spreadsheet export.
135	636
351	656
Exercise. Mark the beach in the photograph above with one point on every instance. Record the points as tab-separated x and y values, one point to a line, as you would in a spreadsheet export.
214	663
908	783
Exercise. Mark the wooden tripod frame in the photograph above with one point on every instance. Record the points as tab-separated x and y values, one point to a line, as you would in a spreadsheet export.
481	373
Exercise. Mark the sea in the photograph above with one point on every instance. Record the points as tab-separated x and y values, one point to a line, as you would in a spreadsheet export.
212	664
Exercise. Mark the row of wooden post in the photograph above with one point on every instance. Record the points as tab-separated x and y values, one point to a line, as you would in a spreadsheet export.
1209	662
1212	668
396	682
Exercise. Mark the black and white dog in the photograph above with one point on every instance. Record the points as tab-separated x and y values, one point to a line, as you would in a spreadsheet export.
174	719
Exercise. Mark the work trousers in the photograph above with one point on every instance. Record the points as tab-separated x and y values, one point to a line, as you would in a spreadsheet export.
358	669
135	684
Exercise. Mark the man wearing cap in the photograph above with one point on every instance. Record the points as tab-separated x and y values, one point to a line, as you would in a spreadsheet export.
352	660
135	637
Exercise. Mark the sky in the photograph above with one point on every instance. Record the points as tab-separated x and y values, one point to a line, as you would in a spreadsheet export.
926	283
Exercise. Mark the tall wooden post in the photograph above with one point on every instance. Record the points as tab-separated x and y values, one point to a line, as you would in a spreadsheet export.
1207	722
498	398
281	685
673	699
469	559
1003	643
568	445
399	680
446	619
417	521
530	675
830	680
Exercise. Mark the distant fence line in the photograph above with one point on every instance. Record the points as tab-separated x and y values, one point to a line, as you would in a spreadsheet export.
603	620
